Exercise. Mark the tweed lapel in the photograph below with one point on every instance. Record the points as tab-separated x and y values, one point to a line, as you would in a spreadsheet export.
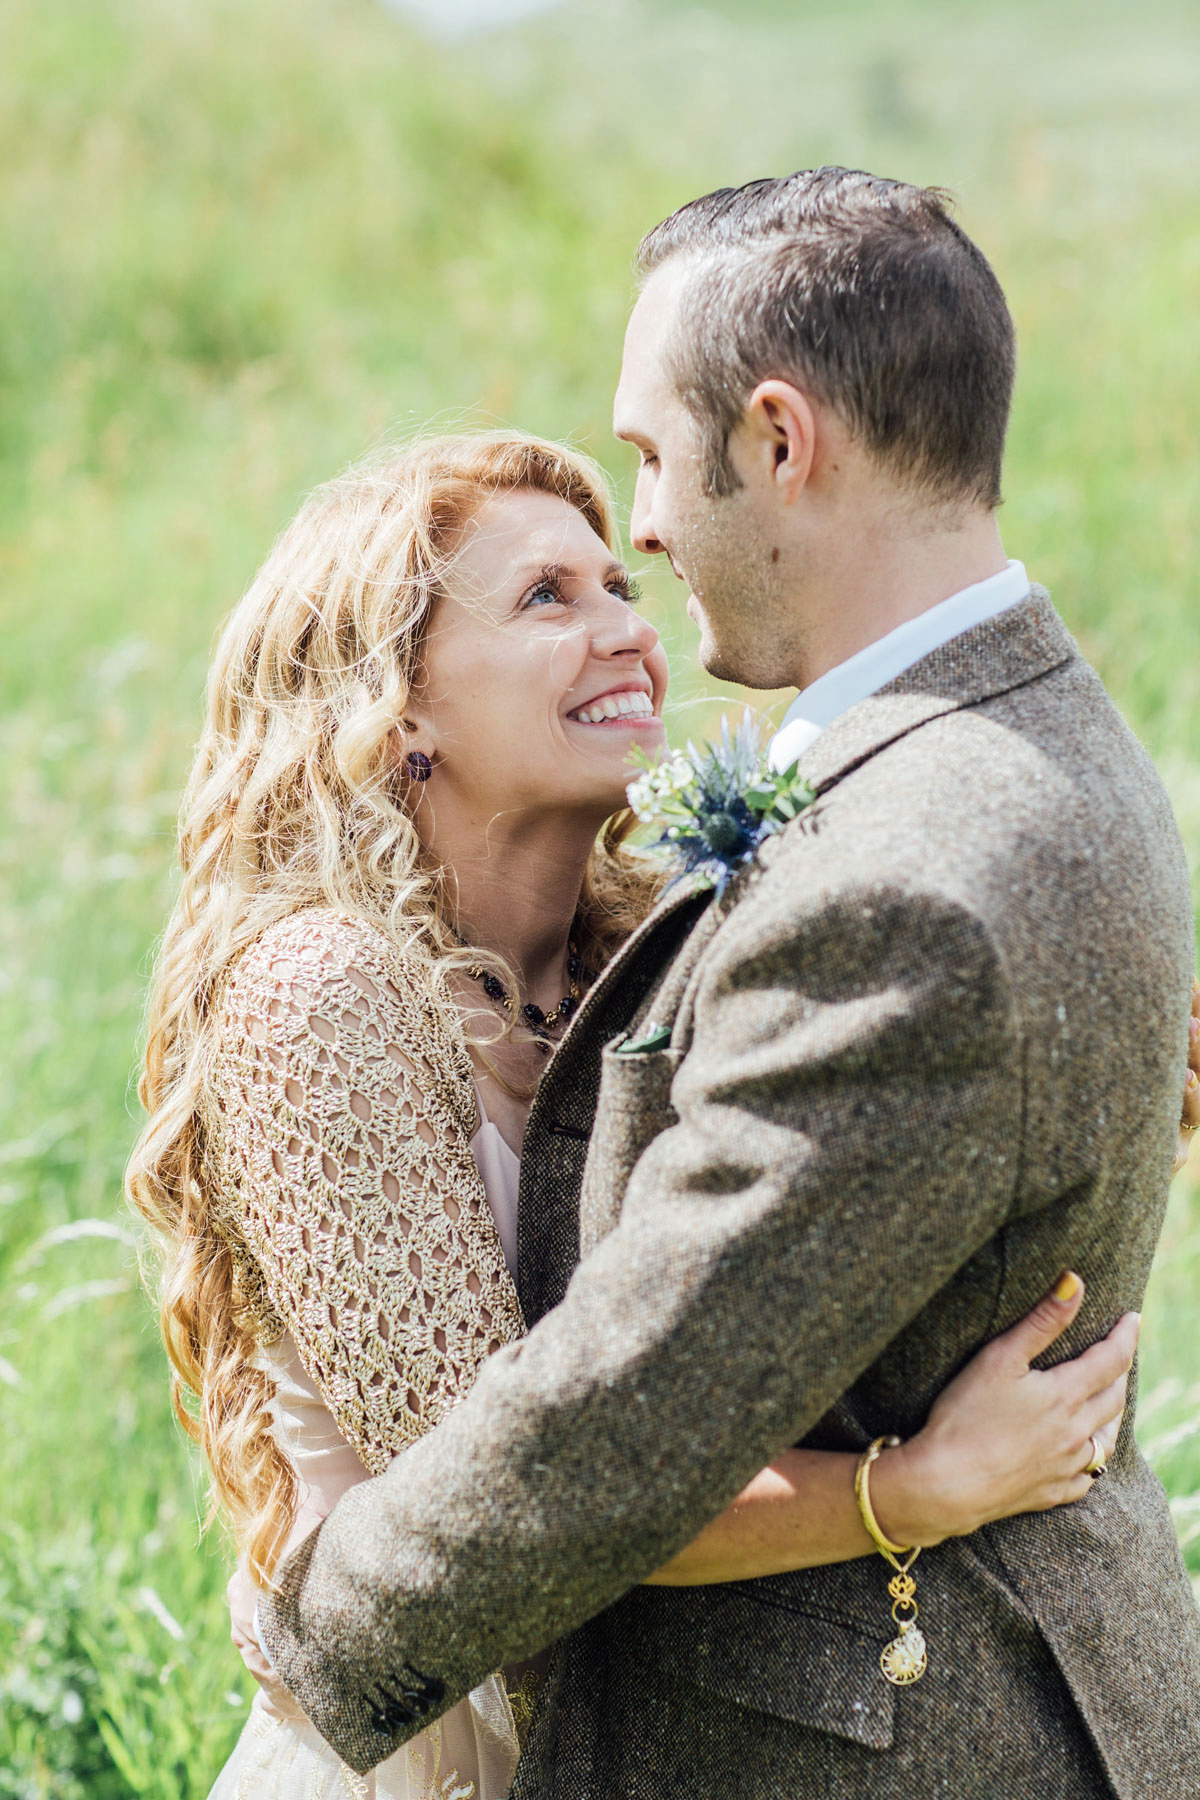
634	948
1003	653
563	1111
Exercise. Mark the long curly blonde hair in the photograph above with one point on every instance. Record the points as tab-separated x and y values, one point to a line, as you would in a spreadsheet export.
296	800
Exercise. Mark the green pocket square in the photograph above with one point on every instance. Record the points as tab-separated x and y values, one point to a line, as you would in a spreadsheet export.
657	1038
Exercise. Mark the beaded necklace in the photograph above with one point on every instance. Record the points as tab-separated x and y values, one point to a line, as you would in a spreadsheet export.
539	1022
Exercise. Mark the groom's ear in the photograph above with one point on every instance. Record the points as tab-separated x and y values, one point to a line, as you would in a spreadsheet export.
781	432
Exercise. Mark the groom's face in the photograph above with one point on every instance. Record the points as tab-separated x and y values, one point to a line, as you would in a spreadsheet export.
718	545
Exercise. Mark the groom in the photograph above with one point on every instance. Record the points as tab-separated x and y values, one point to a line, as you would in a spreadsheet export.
808	1146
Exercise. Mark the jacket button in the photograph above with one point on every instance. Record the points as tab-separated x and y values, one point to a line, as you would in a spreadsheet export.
421	1691
388	1716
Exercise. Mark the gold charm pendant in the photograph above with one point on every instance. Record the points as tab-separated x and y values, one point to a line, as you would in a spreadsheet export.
906	1658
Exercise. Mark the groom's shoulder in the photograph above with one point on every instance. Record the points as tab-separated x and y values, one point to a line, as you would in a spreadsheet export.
1039	786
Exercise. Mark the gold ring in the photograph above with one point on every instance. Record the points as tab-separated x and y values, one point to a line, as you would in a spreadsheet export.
1098	1466
1184	1126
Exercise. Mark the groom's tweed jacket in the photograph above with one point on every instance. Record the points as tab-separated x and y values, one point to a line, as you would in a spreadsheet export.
928	1055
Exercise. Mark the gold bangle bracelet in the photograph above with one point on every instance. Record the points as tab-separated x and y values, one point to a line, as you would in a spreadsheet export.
862	1493
905	1659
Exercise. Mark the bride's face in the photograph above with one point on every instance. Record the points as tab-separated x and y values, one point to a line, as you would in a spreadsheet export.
539	675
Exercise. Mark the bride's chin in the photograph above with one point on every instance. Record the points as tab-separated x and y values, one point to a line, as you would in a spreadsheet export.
612	799
617	769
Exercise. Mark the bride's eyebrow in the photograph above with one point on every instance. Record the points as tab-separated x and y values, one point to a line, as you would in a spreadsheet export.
555	574
546	574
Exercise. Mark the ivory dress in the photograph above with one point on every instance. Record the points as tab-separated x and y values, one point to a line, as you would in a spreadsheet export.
370	1207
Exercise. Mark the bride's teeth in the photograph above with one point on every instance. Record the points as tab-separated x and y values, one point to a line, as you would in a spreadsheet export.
615	706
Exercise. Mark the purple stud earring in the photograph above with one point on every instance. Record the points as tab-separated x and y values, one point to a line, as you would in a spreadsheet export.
418	765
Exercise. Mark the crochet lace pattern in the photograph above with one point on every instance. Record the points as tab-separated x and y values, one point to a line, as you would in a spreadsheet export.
339	1118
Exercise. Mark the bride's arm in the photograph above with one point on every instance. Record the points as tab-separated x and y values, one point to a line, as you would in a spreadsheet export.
1003	1438
347	1173
348	1176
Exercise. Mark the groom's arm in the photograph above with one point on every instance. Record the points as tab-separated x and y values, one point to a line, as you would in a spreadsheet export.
849	1120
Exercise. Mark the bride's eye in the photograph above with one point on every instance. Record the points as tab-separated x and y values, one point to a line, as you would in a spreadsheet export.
546	593
626	587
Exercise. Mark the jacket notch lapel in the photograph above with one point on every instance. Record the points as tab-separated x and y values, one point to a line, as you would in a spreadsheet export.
1002	653
560	1122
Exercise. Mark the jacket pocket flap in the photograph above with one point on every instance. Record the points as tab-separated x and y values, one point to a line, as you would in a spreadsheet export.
811	1671
638	1082
633	1107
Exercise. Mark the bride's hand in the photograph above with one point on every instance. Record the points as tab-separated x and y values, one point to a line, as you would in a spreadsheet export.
1191	1094
241	1592
1004	1438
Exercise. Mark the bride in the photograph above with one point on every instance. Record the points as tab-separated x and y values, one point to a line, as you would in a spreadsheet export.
404	859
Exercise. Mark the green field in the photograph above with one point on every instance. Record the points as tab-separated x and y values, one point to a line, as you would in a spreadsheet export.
243	244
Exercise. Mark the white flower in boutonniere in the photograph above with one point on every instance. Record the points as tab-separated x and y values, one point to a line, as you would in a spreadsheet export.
717	802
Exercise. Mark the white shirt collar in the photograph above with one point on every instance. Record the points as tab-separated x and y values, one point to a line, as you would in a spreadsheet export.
818	705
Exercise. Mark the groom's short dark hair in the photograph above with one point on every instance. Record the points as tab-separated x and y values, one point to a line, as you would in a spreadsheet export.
866	295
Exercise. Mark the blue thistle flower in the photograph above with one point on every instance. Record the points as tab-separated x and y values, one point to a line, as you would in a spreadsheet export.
718	801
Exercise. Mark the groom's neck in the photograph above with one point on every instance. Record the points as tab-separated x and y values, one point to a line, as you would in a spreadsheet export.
887	571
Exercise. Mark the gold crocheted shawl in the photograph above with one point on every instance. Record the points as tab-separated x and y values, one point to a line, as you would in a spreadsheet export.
339	1115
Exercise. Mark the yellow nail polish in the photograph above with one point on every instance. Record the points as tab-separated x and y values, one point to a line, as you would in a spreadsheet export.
1067	1286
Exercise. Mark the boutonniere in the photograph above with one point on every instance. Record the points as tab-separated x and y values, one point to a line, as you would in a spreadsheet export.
717	802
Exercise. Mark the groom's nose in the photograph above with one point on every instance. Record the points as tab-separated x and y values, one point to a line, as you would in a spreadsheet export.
641	522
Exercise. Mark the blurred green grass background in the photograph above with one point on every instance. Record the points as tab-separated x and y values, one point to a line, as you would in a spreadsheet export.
245	243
